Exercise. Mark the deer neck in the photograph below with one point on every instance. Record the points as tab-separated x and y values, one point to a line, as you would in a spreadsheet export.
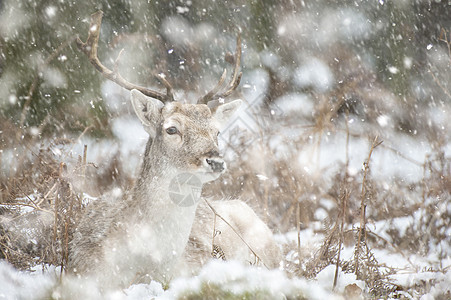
155	215
161	188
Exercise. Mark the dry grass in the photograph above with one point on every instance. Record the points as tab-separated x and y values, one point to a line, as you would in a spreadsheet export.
290	197
47	189
47	194
41	201
38	202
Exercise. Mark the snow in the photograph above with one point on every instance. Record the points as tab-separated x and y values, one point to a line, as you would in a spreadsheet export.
23	285
12	21
255	84
227	277
50	11
310	66
231	277
326	277
238	279
343	24
314	73
181	33
55	78
294	103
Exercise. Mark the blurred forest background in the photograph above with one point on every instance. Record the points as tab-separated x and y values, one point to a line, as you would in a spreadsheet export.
392	47
323	81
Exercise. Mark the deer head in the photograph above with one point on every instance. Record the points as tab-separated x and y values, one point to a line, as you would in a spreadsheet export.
185	135
182	136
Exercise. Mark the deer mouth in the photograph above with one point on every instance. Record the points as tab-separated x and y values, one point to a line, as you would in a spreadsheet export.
210	168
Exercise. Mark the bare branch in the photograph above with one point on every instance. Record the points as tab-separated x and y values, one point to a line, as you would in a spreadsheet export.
234	81
362	228
90	49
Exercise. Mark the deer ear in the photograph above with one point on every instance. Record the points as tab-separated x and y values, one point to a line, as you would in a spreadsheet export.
224	112
147	109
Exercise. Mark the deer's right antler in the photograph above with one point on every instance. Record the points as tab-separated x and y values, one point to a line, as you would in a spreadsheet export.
90	49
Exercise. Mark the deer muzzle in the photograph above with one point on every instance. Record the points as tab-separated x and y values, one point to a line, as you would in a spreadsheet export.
216	164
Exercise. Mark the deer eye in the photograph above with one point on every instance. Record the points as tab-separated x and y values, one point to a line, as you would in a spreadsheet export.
172	130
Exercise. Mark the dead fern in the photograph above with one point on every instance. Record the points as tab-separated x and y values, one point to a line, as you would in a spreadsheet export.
41	210
326	255
366	268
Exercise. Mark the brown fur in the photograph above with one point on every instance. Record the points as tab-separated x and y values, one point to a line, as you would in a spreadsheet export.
126	239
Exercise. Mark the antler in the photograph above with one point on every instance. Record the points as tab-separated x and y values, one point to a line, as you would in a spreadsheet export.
90	49
234	82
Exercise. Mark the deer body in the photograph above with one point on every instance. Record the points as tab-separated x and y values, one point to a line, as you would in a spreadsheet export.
132	238
143	234
245	237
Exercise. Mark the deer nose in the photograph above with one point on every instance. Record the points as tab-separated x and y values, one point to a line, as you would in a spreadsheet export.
216	164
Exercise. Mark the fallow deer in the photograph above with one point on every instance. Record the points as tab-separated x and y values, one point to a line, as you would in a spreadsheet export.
144	233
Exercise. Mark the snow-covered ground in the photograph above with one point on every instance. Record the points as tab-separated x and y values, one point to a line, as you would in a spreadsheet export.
318	155
218	279
215	279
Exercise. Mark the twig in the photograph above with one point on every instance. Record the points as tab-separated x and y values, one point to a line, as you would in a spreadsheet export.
34	204
397	152
65	249
48	193
363	204
424	184
83	163
370	232
79	138
347	143
344	200
439	84
298	229
214	234
444	38
27	205
28	197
